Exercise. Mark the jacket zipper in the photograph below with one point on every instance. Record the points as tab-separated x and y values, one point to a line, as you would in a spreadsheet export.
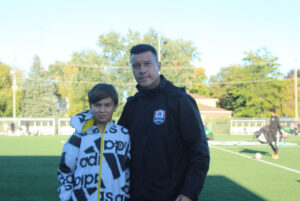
100	165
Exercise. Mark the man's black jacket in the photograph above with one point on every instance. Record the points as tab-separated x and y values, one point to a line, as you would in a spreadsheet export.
170	154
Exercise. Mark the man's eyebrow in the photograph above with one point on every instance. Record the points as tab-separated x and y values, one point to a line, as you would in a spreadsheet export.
135	63
139	62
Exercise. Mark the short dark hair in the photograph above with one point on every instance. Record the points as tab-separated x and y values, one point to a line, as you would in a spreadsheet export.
101	91
273	109
141	48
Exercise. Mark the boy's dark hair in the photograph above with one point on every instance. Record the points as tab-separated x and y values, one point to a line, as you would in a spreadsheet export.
141	48
273	109
101	91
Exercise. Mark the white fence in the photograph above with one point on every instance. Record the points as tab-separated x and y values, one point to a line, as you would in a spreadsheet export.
27	126
35	126
64	127
247	126
61	126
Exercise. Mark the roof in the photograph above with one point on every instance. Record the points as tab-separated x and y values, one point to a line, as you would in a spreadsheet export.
206	108
196	96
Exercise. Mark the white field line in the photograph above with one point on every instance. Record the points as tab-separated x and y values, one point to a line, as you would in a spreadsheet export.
244	143
249	157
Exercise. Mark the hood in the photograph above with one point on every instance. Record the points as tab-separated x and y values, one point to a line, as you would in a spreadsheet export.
79	120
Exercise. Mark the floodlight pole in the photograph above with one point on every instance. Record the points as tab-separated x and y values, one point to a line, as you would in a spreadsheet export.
14	88
158	47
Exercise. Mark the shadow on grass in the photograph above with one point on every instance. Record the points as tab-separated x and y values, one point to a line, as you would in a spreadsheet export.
252	151
28	178
33	178
221	188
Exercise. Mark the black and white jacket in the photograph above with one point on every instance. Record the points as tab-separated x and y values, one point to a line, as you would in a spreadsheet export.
78	172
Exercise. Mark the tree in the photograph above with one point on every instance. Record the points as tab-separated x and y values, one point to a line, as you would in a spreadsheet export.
198	85
291	74
251	89
222	85
288	106
176	59
6	91
75	78
39	93
112	65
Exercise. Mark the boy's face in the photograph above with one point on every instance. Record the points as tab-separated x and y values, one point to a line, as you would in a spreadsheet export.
103	110
272	113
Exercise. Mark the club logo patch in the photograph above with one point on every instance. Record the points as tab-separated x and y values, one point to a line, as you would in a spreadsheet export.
159	117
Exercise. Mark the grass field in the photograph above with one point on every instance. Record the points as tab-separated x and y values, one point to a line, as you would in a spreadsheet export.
28	170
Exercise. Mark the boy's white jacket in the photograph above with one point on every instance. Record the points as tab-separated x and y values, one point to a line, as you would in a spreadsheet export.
78	171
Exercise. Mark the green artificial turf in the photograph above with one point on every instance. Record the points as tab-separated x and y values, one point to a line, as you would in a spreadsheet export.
233	177
28	167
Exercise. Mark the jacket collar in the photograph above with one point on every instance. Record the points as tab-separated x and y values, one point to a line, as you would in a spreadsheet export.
84	121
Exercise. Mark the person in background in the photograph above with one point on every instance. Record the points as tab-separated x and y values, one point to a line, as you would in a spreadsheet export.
13	128
274	130
27	125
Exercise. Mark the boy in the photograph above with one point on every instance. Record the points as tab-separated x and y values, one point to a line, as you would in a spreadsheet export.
274	128
94	161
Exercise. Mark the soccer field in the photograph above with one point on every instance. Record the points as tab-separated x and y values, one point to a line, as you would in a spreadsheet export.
28	170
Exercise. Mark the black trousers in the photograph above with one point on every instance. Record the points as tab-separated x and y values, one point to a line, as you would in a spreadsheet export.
273	142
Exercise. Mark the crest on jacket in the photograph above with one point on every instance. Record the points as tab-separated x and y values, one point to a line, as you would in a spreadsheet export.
159	117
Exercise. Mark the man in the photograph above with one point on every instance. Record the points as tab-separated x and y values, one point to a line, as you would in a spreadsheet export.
170	156
274	129
94	162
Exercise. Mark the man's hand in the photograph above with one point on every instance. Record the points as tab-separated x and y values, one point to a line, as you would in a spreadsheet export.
183	198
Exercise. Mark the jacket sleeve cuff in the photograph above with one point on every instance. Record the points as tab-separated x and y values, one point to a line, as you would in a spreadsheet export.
192	186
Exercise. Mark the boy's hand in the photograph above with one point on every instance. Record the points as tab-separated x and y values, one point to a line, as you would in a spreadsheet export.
183	198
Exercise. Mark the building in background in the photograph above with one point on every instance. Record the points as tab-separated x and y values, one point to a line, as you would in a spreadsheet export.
208	107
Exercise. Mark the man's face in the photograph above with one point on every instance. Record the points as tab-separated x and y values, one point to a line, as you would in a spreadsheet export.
103	110
146	69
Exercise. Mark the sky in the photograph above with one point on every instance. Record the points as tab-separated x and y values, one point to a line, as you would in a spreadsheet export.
222	30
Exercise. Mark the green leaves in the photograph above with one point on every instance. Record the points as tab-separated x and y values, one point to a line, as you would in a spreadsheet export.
39	93
176	59
250	89
198	80
6	80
